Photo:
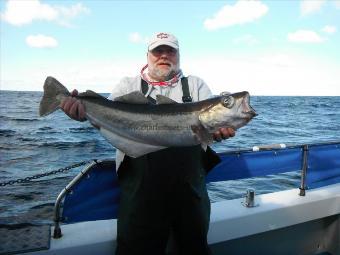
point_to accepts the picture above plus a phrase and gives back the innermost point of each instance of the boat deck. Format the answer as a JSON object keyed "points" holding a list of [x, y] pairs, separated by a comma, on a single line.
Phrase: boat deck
{"points": [[21, 238]]}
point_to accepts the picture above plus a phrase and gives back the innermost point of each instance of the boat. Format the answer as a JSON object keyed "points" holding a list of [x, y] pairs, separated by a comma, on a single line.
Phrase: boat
{"points": [[301, 221]]}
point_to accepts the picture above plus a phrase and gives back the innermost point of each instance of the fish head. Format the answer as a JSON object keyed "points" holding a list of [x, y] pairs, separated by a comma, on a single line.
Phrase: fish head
{"points": [[227, 110]]}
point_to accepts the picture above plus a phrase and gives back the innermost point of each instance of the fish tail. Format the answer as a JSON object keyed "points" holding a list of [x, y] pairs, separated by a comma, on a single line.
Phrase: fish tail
{"points": [[51, 100]]}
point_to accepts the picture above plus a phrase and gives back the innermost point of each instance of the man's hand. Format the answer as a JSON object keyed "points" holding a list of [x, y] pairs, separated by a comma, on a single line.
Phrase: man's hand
{"points": [[223, 133], [73, 107]]}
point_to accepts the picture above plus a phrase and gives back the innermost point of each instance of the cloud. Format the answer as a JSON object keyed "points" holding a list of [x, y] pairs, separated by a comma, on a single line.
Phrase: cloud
{"points": [[96, 74], [281, 60], [240, 13], [137, 38], [19, 13], [329, 29], [337, 4], [41, 41], [272, 74], [68, 13], [246, 39], [305, 36], [72, 11], [311, 6]]}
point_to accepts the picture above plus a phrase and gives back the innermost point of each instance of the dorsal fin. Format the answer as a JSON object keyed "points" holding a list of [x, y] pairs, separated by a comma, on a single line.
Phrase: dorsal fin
{"points": [[90, 93], [135, 97], [164, 100]]}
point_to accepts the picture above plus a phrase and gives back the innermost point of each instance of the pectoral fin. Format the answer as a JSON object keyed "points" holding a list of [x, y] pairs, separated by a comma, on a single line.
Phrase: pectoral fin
{"points": [[202, 135]]}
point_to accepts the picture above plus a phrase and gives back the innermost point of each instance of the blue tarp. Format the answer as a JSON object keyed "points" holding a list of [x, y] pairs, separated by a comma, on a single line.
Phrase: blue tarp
{"points": [[323, 165], [97, 197], [250, 164]]}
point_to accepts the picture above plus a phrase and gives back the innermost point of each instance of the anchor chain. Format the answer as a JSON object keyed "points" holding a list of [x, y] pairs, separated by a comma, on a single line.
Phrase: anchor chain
{"points": [[37, 176]]}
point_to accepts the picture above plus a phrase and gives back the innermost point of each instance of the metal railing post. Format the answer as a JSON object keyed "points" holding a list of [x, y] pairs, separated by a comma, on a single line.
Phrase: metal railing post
{"points": [[57, 230], [304, 170]]}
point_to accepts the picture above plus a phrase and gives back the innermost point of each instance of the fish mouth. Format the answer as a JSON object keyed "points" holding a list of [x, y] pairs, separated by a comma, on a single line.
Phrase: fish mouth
{"points": [[248, 110]]}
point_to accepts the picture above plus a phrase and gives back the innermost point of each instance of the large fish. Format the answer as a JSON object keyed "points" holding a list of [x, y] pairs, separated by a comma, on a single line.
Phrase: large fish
{"points": [[136, 127]]}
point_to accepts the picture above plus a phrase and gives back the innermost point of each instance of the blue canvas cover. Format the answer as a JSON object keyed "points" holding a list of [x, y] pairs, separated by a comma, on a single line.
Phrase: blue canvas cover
{"points": [[94, 197], [323, 165], [249, 164]]}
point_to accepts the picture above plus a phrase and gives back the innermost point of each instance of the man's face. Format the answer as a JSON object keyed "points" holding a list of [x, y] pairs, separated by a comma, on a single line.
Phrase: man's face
{"points": [[163, 63]]}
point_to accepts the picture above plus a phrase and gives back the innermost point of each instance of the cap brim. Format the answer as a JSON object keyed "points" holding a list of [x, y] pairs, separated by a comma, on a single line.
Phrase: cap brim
{"points": [[156, 44]]}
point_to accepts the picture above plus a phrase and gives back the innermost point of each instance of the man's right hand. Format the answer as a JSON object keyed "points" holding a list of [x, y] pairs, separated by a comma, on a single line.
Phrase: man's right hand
{"points": [[73, 107]]}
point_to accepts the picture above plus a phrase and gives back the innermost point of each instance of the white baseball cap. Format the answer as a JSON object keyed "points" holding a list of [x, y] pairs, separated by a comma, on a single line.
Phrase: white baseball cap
{"points": [[163, 39]]}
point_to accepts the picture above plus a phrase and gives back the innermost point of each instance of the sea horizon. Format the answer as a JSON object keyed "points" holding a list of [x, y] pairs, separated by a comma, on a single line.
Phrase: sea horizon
{"points": [[41, 91]]}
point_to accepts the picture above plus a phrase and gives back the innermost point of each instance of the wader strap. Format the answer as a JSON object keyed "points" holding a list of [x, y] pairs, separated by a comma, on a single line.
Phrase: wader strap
{"points": [[145, 87], [186, 98]]}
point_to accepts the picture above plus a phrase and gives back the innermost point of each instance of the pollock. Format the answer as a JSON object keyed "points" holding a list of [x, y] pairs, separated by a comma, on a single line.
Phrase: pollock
{"points": [[136, 127]]}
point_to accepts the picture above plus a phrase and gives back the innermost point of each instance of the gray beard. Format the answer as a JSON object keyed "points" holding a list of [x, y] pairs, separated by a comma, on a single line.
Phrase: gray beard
{"points": [[163, 75]]}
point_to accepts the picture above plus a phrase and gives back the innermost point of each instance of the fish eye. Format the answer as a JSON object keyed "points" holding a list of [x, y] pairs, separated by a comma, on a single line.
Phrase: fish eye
{"points": [[228, 101], [225, 93]]}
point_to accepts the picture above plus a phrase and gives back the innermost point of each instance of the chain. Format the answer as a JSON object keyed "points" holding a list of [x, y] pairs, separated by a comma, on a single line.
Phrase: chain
{"points": [[34, 177]]}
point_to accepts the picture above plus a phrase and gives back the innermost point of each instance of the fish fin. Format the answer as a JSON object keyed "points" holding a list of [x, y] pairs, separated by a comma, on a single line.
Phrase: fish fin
{"points": [[202, 135], [49, 102], [129, 147], [135, 97], [164, 100], [90, 93]]}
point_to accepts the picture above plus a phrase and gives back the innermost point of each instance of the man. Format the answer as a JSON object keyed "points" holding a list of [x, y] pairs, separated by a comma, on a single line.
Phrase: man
{"points": [[163, 191]]}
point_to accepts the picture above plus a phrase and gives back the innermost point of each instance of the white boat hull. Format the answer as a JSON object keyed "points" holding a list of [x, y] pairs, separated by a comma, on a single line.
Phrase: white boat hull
{"points": [[282, 223]]}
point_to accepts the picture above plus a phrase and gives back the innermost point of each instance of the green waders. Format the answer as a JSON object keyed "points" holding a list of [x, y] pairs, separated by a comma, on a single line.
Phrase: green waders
{"points": [[161, 192]]}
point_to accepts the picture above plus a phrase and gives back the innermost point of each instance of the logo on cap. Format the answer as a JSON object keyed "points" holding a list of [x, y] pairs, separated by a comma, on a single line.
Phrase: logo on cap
{"points": [[162, 35]]}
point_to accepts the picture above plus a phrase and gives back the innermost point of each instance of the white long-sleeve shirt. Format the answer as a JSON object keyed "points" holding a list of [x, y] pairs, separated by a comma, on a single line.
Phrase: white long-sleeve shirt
{"points": [[198, 90]]}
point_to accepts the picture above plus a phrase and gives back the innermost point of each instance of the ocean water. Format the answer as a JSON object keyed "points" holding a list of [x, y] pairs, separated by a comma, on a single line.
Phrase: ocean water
{"points": [[32, 145]]}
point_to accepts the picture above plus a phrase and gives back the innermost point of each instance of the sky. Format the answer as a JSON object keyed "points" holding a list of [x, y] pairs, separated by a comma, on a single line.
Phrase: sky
{"points": [[278, 47]]}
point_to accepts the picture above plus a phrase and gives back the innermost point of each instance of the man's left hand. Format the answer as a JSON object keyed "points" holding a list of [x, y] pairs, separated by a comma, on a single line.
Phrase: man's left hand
{"points": [[223, 133]]}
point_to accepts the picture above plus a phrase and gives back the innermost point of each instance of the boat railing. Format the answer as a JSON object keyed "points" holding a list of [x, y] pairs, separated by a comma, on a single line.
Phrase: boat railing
{"points": [[85, 177], [68, 189], [94, 193]]}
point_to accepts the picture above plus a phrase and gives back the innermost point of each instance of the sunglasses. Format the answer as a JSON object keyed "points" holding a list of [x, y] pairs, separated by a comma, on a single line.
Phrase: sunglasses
{"points": [[160, 51]]}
